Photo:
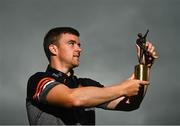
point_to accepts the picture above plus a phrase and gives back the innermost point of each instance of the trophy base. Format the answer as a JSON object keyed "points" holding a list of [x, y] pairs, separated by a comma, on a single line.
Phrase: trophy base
{"points": [[141, 72]]}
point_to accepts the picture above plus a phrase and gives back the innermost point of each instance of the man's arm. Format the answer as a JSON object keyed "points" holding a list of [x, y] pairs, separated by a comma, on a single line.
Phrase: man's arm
{"points": [[61, 95], [128, 103]]}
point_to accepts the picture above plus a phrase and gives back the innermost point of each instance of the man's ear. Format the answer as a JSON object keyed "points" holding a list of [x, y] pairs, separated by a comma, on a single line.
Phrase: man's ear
{"points": [[53, 49]]}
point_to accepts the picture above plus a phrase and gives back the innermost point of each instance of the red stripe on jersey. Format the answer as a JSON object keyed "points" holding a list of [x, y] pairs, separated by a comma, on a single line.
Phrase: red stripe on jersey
{"points": [[41, 83]]}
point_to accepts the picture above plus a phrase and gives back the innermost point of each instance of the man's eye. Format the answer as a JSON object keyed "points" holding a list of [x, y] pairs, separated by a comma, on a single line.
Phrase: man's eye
{"points": [[71, 42], [79, 45]]}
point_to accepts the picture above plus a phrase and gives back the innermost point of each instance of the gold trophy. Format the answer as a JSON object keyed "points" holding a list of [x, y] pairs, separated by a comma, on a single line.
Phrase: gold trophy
{"points": [[142, 70], [145, 59]]}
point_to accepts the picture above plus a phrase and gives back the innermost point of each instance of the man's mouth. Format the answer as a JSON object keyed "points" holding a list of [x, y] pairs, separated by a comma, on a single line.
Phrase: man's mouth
{"points": [[78, 55]]}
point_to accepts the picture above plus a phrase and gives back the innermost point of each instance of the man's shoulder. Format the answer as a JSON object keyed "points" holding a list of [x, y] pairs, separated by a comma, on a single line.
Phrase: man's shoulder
{"points": [[89, 82], [38, 75], [36, 81]]}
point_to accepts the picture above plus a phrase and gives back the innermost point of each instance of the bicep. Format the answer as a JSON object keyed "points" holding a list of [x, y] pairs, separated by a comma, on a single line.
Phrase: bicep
{"points": [[60, 95], [48, 91]]}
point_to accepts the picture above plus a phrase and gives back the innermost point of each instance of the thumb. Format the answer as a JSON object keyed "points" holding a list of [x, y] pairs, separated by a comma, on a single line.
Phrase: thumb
{"points": [[138, 50], [131, 77]]}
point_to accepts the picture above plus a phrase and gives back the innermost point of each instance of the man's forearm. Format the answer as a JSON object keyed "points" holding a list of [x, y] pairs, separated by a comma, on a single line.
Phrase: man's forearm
{"points": [[133, 102], [136, 100], [130, 103], [93, 96]]}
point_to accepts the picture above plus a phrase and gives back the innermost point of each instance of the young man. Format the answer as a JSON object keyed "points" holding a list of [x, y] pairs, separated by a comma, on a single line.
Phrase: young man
{"points": [[57, 96]]}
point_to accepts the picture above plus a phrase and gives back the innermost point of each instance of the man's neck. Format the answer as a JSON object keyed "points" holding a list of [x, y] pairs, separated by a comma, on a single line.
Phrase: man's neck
{"points": [[61, 68]]}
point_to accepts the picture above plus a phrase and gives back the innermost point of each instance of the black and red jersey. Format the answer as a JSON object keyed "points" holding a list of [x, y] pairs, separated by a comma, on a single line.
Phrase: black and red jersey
{"points": [[40, 112]]}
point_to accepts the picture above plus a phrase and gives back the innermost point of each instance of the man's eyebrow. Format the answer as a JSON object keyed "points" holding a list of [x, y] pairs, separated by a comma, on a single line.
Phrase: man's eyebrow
{"points": [[72, 41], [75, 42]]}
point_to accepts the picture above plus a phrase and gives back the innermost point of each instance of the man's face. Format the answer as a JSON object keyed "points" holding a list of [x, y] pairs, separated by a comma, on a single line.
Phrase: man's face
{"points": [[69, 50]]}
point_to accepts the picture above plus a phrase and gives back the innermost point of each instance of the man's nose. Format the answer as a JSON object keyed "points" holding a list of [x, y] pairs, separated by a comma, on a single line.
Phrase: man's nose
{"points": [[78, 48]]}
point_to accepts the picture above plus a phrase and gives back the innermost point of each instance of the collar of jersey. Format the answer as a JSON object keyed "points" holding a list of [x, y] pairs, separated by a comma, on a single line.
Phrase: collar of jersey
{"points": [[58, 73]]}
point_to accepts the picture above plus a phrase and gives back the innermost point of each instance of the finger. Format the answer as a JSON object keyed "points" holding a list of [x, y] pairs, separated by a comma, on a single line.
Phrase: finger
{"points": [[152, 49], [147, 83], [154, 55], [149, 46], [143, 82], [137, 49], [148, 43], [137, 46]]}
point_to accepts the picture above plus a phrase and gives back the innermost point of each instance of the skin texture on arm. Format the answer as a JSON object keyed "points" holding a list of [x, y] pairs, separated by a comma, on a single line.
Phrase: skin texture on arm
{"points": [[90, 96]]}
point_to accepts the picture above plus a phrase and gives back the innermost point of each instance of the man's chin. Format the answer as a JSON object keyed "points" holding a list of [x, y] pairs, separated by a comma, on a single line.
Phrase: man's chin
{"points": [[75, 65]]}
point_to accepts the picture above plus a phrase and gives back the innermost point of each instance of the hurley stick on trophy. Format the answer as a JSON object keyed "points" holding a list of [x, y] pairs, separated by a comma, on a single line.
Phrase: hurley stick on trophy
{"points": [[145, 59]]}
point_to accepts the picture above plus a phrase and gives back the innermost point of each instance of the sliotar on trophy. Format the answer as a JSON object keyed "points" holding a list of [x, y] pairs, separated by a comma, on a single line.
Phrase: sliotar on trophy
{"points": [[145, 59]]}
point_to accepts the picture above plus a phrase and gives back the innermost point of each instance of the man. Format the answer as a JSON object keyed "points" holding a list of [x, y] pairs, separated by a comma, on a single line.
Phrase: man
{"points": [[57, 96]]}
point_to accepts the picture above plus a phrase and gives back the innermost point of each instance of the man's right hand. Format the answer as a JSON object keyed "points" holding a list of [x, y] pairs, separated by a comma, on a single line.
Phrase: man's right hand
{"points": [[131, 86]]}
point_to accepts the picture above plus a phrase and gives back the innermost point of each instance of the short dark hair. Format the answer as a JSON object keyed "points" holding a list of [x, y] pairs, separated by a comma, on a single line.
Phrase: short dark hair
{"points": [[53, 36]]}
